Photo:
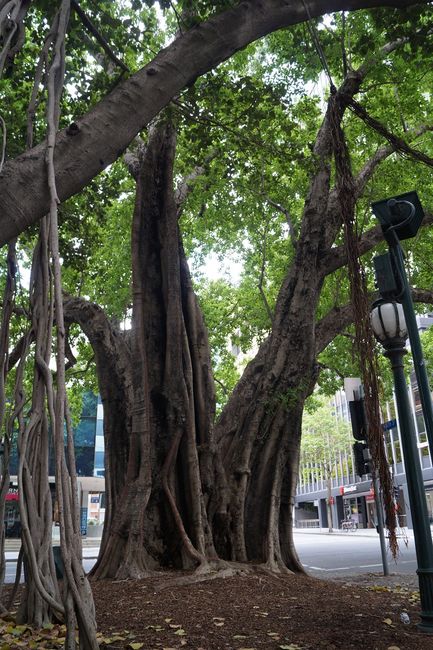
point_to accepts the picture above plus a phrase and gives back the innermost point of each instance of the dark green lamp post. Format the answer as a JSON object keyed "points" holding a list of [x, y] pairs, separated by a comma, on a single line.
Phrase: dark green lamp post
{"points": [[389, 327], [400, 218]]}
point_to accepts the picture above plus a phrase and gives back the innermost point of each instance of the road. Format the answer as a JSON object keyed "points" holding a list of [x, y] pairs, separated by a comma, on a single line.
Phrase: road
{"points": [[330, 556], [89, 555], [324, 556]]}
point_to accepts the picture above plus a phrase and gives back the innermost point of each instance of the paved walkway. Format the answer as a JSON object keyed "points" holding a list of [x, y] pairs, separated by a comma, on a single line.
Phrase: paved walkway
{"points": [[15, 544], [361, 532]]}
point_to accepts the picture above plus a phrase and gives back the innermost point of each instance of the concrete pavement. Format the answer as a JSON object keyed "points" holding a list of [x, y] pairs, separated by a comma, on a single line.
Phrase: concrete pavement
{"points": [[15, 544], [361, 532]]}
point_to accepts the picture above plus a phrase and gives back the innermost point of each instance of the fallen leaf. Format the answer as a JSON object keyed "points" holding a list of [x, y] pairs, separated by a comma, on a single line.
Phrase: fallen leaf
{"points": [[388, 621], [180, 632], [135, 646]]}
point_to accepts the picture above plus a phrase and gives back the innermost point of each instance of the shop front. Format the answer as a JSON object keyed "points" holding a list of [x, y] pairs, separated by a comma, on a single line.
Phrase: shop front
{"points": [[358, 504], [12, 514]]}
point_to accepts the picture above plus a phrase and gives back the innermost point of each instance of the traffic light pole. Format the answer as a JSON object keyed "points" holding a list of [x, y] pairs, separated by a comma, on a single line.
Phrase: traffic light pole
{"points": [[363, 466], [380, 523]]}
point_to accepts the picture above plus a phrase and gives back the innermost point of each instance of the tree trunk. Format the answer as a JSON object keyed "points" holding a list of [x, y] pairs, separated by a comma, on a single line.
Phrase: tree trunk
{"points": [[114, 371], [160, 518], [175, 503], [259, 430]]}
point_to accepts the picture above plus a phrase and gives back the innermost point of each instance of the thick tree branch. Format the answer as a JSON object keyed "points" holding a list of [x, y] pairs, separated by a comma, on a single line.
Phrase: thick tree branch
{"points": [[381, 154], [331, 325], [100, 136], [338, 318], [335, 258]]}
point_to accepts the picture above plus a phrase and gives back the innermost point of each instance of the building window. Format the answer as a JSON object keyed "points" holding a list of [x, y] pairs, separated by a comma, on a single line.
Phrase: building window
{"points": [[397, 447], [420, 424]]}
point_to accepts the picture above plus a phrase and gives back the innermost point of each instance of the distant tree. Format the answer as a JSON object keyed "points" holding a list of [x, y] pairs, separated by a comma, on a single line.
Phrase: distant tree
{"points": [[325, 436]]}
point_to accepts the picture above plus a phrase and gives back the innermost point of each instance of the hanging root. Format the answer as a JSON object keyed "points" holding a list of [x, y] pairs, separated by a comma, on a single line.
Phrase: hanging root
{"points": [[364, 338]]}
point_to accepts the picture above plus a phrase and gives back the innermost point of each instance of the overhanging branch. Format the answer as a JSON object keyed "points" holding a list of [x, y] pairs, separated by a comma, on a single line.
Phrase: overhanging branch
{"points": [[100, 136]]}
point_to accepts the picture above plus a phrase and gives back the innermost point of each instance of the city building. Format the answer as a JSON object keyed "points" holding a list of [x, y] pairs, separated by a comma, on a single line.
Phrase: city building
{"points": [[352, 495], [89, 458]]}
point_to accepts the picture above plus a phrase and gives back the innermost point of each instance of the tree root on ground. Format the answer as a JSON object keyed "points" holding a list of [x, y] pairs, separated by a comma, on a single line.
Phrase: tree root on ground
{"points": [[222, 569]]}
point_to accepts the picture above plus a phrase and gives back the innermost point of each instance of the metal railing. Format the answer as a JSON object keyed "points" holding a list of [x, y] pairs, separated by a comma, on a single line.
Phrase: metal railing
{"points": [[307, 523]]}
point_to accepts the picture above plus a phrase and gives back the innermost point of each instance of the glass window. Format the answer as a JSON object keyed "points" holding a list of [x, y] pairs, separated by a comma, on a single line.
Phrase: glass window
{"points": [[420, 424], [388, 447], [424, 451], [85, 432], [423, 439], [397, 448], [99, 460], [90, 405], [84, 461], [429, 498]]}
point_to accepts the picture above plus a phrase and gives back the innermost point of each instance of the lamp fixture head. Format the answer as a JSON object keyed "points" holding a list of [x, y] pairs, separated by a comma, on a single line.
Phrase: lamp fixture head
{"points": [[388, 322], [402, 214]]}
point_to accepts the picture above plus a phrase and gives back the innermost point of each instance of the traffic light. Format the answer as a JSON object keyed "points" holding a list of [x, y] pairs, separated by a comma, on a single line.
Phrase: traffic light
{"points": [[357, 418], [361, 455]]}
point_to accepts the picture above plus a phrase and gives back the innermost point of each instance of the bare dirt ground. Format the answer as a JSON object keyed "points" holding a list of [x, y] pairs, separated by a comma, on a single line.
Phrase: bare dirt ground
{"points": [[261, 611], [256, 611]]}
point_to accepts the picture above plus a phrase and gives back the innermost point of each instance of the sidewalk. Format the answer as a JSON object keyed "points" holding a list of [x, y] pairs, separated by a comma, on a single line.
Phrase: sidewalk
{"points": [[361, 532], [14, 545]]}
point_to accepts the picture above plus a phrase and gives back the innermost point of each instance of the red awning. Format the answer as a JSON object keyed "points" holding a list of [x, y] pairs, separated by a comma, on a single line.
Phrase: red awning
{"points": [[12, 496]]}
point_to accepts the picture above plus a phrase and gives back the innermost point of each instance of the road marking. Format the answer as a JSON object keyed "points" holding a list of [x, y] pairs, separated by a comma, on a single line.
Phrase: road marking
{"points": [[368, 566], [340, 568]]}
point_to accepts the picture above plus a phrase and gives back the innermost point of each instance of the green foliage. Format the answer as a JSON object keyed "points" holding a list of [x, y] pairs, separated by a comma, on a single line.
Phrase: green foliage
{"points": [[251, 123], [427, 346], [324, 435]]}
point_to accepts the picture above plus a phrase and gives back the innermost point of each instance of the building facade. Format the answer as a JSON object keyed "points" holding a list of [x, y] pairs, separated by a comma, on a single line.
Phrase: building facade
{"points": [[352, 495], [89, 460]]}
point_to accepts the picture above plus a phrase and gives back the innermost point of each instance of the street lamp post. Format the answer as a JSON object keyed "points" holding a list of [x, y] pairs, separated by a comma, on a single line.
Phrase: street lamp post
{"points": [[400, 218], [389, 327]]}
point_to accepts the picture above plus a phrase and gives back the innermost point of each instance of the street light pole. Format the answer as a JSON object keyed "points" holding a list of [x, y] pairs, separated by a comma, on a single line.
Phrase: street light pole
{"points": [[415, 344], [393, 337], [400, 218]]}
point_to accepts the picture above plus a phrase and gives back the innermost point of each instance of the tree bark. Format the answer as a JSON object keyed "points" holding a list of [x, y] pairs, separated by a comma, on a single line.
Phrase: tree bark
{"points": [[100, 136], [259, 430], [160, 517], [114, 364]]}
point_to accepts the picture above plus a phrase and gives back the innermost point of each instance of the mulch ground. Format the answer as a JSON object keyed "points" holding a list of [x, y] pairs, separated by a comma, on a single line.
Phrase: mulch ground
{"points": [[260, 611]]}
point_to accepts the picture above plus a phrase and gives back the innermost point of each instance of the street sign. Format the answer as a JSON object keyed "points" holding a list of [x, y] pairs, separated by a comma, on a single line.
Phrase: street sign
{"points": [[391, 424]]}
